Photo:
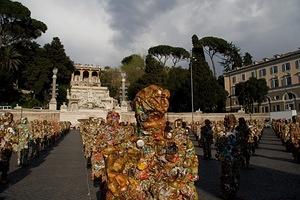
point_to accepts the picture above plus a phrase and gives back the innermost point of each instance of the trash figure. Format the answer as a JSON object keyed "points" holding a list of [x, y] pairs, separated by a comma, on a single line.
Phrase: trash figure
{"points": [[229, 155], [244, 137], [207, 139], [23, 146], [295, 139], [8, 143]]}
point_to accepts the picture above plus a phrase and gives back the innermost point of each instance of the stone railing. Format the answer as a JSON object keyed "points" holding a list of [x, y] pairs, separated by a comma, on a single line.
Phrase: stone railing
{"points": [[73, 116]]}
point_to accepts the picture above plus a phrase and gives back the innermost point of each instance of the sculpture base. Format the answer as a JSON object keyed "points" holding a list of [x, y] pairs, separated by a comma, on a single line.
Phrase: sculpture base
{"points": [[52, 105]]}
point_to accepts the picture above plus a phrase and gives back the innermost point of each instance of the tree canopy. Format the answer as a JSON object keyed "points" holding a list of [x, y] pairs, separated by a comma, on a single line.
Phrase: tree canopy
{"points": [[30, 65], [133, 66], [16, 25], [214, 46], [164, 52], [251, 91]]}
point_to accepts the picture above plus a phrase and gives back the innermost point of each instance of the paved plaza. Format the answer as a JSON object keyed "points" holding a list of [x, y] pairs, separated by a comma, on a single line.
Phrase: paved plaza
{"points": [[61, 174]]}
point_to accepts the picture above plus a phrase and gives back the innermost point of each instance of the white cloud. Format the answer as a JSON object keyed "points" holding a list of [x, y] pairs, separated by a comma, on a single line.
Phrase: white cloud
{"points": [[103, 32]]}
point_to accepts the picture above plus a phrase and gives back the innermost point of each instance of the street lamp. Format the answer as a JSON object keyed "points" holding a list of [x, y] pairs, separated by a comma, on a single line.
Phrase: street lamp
{"points": [[192, 88]]}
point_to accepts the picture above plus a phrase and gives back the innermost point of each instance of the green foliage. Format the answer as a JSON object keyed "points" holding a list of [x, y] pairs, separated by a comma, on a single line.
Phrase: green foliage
{"points": [[154, 74], [212, 46], [17, 25], [178, 83], [251, 91], [55, 52], [8, 93], [208, 94], [134, 67], [232, 58], [247, 59], [9, 58], [163, 52], [111, 78]]}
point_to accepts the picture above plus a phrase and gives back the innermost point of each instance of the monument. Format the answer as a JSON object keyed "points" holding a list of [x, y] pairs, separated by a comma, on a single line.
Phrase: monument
{"points": [[86, 92], [124, 103], [53, 102]]}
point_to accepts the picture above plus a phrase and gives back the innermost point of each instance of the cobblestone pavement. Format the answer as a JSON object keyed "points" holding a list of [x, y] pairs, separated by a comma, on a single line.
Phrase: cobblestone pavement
{"points": [[61, 174]]}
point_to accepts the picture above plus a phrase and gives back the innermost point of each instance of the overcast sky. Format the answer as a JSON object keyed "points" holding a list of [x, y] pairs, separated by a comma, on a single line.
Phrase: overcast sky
{"points": [[105, 31]]}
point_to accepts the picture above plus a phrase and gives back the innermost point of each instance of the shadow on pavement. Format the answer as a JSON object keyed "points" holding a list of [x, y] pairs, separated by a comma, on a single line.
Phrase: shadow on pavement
{"points": [[268, 184], [21, 172], [276, 158]]}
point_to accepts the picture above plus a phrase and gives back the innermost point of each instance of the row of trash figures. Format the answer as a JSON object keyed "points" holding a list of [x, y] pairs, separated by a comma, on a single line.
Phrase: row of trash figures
{"points": [[154, 158], [101, 139], [26, 139], [289, 133]]}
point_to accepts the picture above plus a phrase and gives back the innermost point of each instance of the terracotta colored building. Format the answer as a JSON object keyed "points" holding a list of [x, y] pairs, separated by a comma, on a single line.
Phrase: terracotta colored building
{"points": [[282, 74]]}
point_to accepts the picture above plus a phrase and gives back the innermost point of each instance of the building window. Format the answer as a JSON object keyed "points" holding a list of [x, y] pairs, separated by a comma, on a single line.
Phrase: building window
{"points": [[266, 109], [274, 83], [262, 72], [286, 67], [233, 80], [276, 98], [286, 81], [277, 107], [273, 69], [233, 90], [253, 74], [297, 63], [243, 77]]}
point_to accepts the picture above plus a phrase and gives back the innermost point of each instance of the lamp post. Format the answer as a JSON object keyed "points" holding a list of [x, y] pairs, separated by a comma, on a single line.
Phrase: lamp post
{"points": [[53, 103], [192, 89]]}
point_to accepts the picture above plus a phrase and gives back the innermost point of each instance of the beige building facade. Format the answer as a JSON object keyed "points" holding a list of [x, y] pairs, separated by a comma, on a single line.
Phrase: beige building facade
{"points": [[282, 74]]}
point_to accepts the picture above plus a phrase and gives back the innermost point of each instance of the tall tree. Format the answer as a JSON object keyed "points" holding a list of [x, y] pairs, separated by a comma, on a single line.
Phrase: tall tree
{"points": [[111, 78], [9, 58], [178, 83], [207, 91], [133, 66], [212, 46], [178, 54], [16, 29], [161, 52], [232, 58], [154, 74], [247, 59], [16, 25], [55, 52], [251, 91], [164, 52]]}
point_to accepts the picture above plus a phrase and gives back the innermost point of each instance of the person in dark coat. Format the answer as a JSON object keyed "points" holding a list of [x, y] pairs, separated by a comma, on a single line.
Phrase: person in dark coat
{"points": [[207, 139]]}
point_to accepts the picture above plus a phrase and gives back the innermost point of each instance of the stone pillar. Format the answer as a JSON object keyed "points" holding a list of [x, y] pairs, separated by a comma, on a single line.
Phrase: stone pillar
{"points": [[123, 75], [124, 105], [90, 76], [53, 103], [81, 75]]}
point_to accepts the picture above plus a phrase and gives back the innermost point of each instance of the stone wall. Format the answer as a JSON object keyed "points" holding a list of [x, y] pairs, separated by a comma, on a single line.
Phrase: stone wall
{"points": [[34, 114], [73, 116]]}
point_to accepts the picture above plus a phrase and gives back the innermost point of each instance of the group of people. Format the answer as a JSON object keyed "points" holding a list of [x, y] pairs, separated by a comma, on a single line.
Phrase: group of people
{"points": [[152, 159], [289, 133], [26, 139], [235, 143]]}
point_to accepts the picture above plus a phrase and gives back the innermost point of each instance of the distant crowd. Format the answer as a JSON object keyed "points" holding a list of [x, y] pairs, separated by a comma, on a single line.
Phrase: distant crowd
{"points": [[235, 140], [26, 139], [289, 133]]}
